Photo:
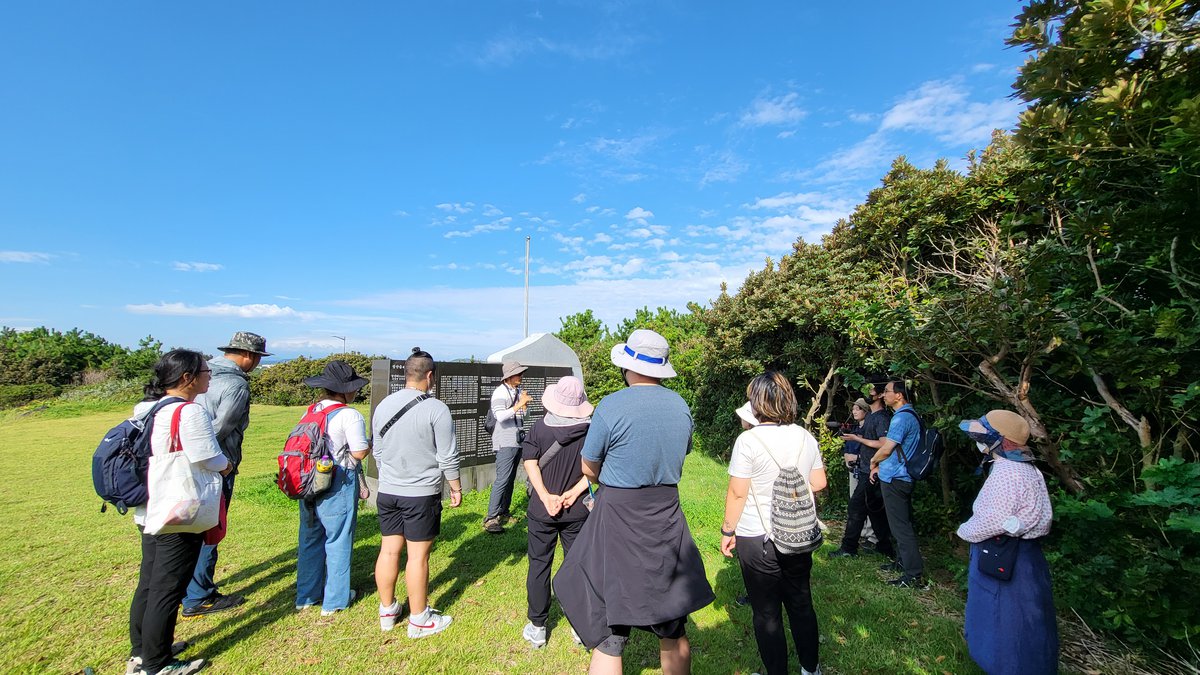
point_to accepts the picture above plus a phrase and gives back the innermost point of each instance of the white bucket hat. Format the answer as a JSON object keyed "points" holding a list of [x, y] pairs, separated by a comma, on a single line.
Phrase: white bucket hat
{"points": [[645, 353]]}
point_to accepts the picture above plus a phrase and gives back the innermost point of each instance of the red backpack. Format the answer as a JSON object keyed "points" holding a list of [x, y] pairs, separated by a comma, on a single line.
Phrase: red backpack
{"points": [[307, 443]]}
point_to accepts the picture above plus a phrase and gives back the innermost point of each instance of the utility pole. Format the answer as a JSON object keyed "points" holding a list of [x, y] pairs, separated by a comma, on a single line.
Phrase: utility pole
{"points": [[343, 339], [526, 286]]}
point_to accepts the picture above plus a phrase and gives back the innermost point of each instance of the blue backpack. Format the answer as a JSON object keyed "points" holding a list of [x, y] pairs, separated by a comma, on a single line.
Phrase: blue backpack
{"points": [[929, 451], [120, 462]]}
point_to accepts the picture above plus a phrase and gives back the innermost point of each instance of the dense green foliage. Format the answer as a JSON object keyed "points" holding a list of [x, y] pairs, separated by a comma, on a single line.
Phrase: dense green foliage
{"points": [[283, 383]]}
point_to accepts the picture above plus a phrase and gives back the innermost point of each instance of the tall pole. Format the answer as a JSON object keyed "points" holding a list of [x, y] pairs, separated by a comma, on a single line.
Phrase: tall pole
{"points": [[343, 343], [526, 286]]}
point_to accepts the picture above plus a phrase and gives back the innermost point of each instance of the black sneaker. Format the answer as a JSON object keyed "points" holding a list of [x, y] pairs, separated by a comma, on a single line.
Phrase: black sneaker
{"points": [[742, 600], [842, 553], [217, 603], [906, 581], [891, 566], [493, 526]]}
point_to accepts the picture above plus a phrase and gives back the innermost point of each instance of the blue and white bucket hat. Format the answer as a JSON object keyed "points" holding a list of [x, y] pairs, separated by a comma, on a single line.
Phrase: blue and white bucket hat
{"points": [[646, 353]]}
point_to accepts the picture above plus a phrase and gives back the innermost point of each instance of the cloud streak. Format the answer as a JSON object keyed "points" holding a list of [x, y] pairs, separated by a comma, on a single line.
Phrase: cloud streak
{"points": [[30, 257], [196, 266]]}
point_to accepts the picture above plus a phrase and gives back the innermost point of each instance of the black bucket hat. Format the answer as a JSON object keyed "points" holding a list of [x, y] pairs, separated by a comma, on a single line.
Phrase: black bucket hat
{"points": [[339, 376]]}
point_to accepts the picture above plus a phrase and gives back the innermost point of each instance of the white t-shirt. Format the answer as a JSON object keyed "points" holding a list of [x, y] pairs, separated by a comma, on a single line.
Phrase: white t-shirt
{"points": [[347, 433], [790, 445], [196, 438]]}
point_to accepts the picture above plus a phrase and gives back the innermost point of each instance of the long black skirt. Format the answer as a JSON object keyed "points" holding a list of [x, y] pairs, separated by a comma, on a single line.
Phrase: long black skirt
{"points": [[633, 564]]}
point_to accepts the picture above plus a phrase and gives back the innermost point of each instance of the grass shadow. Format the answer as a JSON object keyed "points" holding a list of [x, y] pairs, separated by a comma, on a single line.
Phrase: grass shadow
{"points": [[474, 557]]}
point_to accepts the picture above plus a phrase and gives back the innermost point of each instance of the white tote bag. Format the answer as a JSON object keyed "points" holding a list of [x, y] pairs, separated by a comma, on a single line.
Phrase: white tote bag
{"points": [[183, 497]]}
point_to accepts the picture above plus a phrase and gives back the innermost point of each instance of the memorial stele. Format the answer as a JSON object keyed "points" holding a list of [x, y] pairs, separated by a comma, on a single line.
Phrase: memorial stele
{"points": [[466, 388]]}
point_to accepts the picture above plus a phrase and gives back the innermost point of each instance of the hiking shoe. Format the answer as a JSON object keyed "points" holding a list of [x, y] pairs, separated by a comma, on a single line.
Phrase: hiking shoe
{"points": [[810, 672], [742, 600], [493, 526], [891, 566], [908, 581], [388, 615], [534, 635], [842, 553], [427, 623], [331, 612], [183, 667], [217, 603], [134, 665]]}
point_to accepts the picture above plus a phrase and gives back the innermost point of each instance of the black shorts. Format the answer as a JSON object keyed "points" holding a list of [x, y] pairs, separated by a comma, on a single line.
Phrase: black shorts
{"points": [[414, 518], [614, 645]]}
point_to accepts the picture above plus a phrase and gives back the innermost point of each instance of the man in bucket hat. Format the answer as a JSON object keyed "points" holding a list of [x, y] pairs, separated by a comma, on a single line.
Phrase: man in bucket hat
{"points": [[228, 403], [327, 523], [509, 403], [612, 580]]}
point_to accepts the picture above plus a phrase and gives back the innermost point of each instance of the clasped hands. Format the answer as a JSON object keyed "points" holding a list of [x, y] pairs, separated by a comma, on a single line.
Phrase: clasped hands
{"points": [[556, 503]]}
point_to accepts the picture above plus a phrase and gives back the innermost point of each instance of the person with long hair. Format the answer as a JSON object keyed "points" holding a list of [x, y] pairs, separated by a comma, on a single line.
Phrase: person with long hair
{"points": [[774, 580], [169, 559]]}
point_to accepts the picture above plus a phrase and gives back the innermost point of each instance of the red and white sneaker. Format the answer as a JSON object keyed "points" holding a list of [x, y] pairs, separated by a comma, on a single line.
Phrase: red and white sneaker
{"points": [[388, 616], [427, 623]]}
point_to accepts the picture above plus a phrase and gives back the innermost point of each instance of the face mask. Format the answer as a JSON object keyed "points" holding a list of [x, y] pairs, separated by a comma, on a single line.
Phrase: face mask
{"points": [[983, 448]]}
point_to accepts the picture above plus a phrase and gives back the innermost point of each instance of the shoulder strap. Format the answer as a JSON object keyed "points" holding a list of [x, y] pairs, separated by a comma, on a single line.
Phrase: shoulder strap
{"points": [[549, 454], [406, 408], [175, 444], [325, 412], [920, 433], [757, 502]]}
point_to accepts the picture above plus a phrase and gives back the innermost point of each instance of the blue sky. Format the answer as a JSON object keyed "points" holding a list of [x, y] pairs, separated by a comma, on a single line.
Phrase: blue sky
{"points": [[305, 170]]}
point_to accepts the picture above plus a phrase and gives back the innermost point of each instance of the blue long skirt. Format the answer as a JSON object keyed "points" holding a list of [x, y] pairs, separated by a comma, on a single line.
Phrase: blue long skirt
{"points": [[1010, 625]]}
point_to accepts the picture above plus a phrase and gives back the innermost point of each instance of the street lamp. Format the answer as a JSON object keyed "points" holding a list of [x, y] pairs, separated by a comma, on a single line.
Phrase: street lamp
{"points": [[343, 339]]}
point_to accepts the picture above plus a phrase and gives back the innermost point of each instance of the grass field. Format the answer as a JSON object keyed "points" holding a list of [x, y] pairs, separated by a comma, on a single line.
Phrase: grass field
{"points": [[68, 571]]}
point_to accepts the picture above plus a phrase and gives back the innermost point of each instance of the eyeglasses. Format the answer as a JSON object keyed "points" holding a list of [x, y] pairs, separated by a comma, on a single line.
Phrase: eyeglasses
{"points": [[205, 370]]}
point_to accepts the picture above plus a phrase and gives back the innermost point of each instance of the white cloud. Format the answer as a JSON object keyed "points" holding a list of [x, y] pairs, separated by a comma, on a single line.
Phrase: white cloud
{"points": [[786, 134], [507, 49], [570, 244], [942, 109], [601, 238], [490, 211], [400, 213], [455, 207], [253, 311], [494, 226], [25, 257], [579, 198], [773, 111], [724, 168], [639, 215], [862, 118], [196, 266]]}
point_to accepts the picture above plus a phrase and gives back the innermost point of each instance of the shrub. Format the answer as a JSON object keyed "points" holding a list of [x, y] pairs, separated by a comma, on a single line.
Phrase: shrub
{"points": [[283, 383], [15, 395]]}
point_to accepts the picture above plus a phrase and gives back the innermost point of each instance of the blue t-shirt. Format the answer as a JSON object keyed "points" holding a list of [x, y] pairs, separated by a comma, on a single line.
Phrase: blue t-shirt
{"points": [[640, 435], [905, 431]]}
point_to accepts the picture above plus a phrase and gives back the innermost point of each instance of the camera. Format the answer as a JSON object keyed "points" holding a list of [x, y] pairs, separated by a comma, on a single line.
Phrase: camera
{"points": [[839, 428]]}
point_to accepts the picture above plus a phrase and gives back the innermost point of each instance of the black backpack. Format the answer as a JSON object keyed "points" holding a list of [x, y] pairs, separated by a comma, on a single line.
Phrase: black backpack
{"points": [[928, 453], [120, 462]]}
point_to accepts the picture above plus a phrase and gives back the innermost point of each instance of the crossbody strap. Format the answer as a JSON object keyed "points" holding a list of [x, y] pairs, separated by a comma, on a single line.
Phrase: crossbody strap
{"points": [[920, 433], [397, 416], [549, 454]]}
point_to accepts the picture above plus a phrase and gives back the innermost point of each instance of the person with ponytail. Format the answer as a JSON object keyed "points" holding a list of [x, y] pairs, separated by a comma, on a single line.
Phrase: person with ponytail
{"points": [[168, 559]]}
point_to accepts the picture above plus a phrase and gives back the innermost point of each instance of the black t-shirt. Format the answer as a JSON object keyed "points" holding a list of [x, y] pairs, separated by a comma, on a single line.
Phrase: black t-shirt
{"points": [[874, 427], [562, 471]]}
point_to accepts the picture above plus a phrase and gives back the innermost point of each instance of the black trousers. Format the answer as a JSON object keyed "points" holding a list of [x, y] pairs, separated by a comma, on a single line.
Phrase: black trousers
{"points": [[867, 502], [775, 582], [167, 564], [897, 499], [543, 539]]}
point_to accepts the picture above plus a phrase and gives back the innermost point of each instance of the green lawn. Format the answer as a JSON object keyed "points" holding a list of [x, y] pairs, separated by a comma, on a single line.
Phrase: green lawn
{"points": [[68, 571]]}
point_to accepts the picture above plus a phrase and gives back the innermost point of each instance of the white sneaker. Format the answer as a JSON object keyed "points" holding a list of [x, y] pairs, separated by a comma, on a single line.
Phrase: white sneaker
{"points": [[575, 637], [810, 672], [183, 667], [331, 612], [134, 665], [388, 615], [427, 623], [535, 636]]}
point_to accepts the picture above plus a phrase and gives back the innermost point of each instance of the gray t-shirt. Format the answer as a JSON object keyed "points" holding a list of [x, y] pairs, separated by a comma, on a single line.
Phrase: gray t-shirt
{"points": [[641, 434], [418, 450]]}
